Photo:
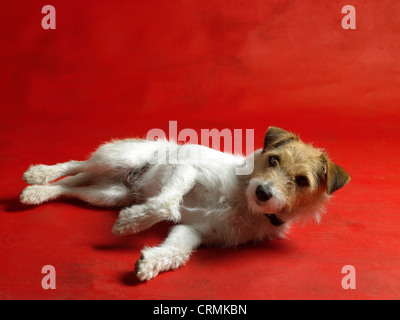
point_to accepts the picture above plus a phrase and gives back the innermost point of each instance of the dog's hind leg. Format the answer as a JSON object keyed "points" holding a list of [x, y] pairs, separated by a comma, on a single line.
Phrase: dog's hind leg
{"points": [[43, 174], [37, 194], [104, 192], [94, 189]]}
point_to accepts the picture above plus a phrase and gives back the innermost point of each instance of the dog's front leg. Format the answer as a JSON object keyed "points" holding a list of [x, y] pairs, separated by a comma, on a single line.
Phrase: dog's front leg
{"points": [[171, 254], [164, 206]]}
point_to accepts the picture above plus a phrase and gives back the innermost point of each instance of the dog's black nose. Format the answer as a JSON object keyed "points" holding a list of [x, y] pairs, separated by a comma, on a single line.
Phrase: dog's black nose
{"points": [[263, 193]]}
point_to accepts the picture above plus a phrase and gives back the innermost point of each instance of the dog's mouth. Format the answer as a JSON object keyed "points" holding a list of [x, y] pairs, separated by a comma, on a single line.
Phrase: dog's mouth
{"points": [[274, 219]]}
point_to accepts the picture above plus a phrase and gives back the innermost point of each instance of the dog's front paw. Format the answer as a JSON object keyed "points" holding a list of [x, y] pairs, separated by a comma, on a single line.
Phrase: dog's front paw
{"points": [[147, 267], [39, 174], [159, 259], [134, 219], [123, 226]]}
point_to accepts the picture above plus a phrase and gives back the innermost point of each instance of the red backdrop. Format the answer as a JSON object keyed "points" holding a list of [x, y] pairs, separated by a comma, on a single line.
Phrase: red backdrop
{"points": [[119, 69]]}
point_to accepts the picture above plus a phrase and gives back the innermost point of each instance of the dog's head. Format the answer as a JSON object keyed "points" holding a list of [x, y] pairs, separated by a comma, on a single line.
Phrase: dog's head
{"points": [[291, 180]]}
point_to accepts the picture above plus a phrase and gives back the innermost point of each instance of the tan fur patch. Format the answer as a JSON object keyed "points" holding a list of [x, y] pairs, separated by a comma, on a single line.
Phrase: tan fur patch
{"points": [[298, 173]]}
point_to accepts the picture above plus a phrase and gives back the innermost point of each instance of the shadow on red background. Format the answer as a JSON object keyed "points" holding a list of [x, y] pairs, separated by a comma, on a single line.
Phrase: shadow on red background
{"points": [[114, 70]]}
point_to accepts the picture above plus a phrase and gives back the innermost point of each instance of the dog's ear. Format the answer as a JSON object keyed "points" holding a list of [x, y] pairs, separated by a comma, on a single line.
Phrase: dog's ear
{"points": [[276, 137], [336, 177]]}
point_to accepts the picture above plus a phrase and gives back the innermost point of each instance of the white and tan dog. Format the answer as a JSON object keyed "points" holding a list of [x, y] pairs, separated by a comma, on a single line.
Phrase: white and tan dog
{"points": [[210, 203]]}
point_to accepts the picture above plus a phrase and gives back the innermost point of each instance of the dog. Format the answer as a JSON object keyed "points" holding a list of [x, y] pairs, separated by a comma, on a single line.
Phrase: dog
{"points": [[210, 204]]}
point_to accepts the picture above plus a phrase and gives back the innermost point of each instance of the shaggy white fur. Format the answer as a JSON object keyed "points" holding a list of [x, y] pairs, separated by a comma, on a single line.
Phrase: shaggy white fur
{"points": [[191, 185]]}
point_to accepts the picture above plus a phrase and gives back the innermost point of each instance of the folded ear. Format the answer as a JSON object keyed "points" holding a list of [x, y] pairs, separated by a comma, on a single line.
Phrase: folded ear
{"points": [[336, 177], [276, 137]]}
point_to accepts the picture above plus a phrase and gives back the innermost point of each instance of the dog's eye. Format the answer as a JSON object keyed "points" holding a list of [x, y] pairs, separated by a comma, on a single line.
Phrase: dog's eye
{"points": [[273, 161], [302, 181]]}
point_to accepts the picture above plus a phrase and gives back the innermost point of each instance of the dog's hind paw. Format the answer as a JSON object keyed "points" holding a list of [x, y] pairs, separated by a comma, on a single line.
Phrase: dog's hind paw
{"points": [[35, 194], [39, 174]]}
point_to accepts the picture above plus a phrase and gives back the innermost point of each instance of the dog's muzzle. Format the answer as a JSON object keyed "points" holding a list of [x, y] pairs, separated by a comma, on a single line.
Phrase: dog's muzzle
{"points": [[274, 219]]}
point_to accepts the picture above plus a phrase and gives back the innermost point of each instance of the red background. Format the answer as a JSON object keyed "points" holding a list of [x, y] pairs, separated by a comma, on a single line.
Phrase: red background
{"points": [[119, 69]]}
